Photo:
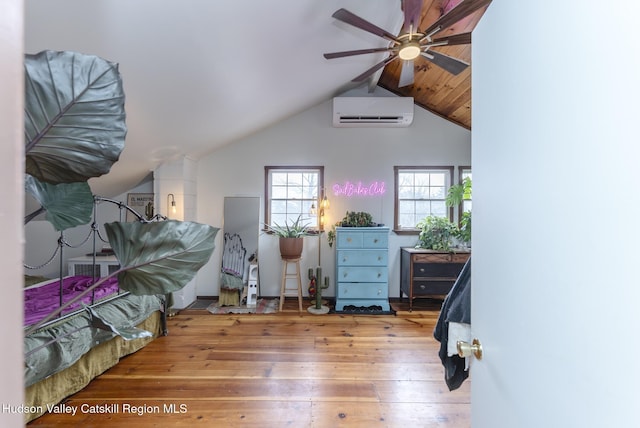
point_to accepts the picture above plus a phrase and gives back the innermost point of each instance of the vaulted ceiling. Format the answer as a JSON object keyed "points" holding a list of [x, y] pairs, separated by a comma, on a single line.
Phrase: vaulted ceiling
{"points": [[201, 74]]}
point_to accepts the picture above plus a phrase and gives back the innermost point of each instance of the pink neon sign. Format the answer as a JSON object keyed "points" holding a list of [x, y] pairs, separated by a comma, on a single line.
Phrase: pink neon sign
{"points": [[349, 189]]}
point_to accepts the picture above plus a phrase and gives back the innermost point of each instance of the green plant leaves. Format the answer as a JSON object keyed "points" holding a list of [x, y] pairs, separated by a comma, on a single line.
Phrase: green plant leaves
{"points": [[74, 116], [295, 229], [436, 233], [160, 257], [66, 204]]}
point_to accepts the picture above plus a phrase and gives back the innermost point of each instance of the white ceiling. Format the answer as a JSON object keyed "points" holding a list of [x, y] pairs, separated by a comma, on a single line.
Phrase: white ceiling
{"points": [[199, 74]]}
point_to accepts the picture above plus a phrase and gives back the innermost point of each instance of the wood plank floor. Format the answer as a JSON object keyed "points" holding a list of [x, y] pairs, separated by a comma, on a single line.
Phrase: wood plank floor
{"points": [[279, 370]]}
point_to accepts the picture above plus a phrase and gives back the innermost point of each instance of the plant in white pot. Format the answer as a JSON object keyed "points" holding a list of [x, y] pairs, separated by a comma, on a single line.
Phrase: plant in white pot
{"points": [[291, 236]]}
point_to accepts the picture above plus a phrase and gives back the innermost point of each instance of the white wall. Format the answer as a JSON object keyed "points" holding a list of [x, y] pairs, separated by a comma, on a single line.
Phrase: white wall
{"points": [[11, 211], [365, 154]]}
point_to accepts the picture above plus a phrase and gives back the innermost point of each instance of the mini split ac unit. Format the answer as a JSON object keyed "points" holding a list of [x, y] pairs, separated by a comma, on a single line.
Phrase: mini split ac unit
{"points": [[372, 111]]}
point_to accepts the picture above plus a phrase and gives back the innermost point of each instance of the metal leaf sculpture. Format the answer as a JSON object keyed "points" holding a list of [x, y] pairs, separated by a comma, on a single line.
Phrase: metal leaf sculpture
{"points": [[66, 204], [74, 116], [160, 257], [125, 332]]}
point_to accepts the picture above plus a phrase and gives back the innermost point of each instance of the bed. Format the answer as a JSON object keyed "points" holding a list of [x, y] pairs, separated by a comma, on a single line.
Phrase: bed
{"points": [[55, 370], [64, 354]]}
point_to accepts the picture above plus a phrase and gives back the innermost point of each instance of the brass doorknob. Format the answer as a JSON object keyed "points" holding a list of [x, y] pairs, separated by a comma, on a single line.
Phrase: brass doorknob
{"points": [[466, 350]]}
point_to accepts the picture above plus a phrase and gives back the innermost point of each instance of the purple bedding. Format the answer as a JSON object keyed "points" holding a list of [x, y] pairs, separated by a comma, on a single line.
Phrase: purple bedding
{"points": [[39, 301]]}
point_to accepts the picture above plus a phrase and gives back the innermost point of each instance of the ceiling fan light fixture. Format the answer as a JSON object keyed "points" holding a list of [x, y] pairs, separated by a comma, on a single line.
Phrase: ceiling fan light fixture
{"points": [[409, 50]]}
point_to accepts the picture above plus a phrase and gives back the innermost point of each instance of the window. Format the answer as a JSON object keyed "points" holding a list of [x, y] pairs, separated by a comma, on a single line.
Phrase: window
{"points": [[420, 192], [291, 192]]}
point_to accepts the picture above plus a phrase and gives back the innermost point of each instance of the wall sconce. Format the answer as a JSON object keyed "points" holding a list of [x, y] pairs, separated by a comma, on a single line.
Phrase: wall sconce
{"points": [[171, 198]]}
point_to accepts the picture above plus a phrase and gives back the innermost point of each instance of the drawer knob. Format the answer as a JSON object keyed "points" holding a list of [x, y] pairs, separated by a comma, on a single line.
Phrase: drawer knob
{"points": [[344, 275], [423, 286], [379, 274], [379, 258], [348, 239], [421, 269], [379, 292], [344, 259], [375, 241]]}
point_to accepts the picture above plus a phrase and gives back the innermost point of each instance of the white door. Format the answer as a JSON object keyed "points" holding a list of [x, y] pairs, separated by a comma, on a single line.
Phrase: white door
{"points": [[556, 168]]}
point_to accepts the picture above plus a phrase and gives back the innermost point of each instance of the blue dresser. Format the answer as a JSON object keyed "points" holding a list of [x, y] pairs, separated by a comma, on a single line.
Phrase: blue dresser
{"points": [[362, 275]]}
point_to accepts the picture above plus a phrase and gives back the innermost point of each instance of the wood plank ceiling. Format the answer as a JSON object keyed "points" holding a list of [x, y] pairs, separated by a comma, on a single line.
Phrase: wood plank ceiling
{"points": [[435, 89]]}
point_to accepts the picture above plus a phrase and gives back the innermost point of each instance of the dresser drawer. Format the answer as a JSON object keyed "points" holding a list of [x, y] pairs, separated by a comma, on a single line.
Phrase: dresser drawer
{"points": [[362, 239], [431, 258], [362, 274], [362, 290], [362, 257], [349, 240], [460, 257], [375, 240], [446, 270], [429, 288], [440, 258]]}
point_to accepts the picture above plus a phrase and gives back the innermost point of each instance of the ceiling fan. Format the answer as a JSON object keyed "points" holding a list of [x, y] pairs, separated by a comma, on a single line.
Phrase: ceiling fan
{"points": [[412, 43]]}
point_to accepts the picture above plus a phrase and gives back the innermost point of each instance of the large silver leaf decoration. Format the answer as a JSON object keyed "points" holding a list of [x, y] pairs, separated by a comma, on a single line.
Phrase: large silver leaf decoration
{"points": [[74, 116], [127, 333], [160, 257], [66, 204]]}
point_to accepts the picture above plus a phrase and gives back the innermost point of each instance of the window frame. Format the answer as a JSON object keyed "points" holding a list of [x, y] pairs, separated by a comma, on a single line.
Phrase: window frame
{"points": [[269, 169], [396, 208]]}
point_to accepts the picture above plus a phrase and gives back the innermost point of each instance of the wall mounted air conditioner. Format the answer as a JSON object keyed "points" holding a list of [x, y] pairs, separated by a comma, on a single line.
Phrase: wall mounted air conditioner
{"points": [[372, 111]]}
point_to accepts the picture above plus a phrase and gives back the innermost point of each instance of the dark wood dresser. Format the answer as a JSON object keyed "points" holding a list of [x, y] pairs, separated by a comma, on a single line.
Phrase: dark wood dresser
{"points": [[428, 273]]}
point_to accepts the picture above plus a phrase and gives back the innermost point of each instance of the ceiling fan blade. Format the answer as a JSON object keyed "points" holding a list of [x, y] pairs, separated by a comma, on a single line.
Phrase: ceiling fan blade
{"points": [[461, 11], [406, 74], [456, 39], [412, 10], [333, 55], [451, 64], [345, 16], [362, 77]]}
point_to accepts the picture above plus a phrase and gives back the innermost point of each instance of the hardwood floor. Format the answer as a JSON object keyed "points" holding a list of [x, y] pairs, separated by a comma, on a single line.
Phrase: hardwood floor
{"points": [[278, 370]]}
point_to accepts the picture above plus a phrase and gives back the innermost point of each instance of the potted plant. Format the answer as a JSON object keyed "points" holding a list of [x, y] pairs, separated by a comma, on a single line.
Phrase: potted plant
{"points": [[291, 236], [357, 219], [436, 233]]}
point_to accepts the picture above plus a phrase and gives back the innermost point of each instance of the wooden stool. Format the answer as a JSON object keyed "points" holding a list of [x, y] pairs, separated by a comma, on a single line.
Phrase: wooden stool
{"points": [[291, 276]]}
